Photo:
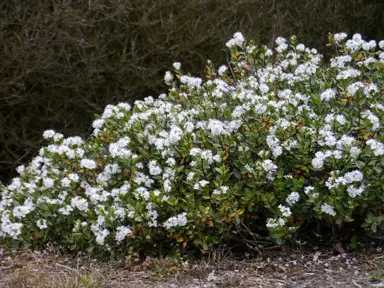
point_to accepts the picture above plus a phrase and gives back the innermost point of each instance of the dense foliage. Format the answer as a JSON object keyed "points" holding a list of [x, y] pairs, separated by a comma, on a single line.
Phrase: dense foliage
{"points": [[276, 139], [63, 61]]}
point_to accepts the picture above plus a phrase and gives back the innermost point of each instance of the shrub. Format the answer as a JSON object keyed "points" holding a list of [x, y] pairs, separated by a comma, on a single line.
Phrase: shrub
{"points": [[274, 140], [63, 61]]}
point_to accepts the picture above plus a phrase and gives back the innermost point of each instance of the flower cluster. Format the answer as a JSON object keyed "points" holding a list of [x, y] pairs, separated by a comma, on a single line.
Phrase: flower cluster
{"points": [[277, 134]]}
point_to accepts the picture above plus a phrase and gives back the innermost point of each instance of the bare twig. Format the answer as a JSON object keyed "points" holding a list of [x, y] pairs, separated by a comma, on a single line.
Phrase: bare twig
{"points": [[67, 268]]}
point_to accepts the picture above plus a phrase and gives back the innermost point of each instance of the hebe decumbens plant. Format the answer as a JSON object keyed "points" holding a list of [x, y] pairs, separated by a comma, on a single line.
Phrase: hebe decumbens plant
{"points": [[273, 140]]}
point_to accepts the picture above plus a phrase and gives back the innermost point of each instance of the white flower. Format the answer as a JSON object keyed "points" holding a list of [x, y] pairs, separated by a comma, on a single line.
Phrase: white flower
{"points": [[101, 235], [337, 154], [190, 176], [222, 70], [369, 45], [353, 176], [268, 166], [192, 82], [355, 152], [22, 210], [348, 73], [122, 232], [318, 162], [354, 192], [249, 168], [79, 203], [293, 198], [12, 229], [168, 77], [376, 146], [339, 37], [88, 163], [66, 210], [66, 182], [370, 89], [203, 183], [354, 87], [381, 56], [48, 182], [375, 121], [124, 106], [340, 61], [58, 137], [341, 119], [42, 224], [286, 211], [176, 221], [217, 158], [328, 95], [154, 169], [273, 144], [194, 151], [272, 223], [237, 40], [74, 177], [328, 209], [217, 127], [120, 148], [143, 192], [171, 161], [20, 169], [281, 48], [280, 41], [260, 108], [309, 189], [221, 190], [49, 134], [355, 43], [177, 65], [345, 142], [189, 126], [167, 186], [300, 47], [250, 49]]}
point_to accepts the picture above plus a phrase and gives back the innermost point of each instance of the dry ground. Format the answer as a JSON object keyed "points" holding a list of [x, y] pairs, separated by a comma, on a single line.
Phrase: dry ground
{"points": [[283, 268]]}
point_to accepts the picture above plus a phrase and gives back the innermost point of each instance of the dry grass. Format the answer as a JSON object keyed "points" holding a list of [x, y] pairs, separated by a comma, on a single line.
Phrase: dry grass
{"points": [[26, 278], [22, 270], [284, 268]]}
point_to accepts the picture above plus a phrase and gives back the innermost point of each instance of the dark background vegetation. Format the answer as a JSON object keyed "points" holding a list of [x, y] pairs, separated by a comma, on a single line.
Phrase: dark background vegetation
{"points": [[63, 61]]}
